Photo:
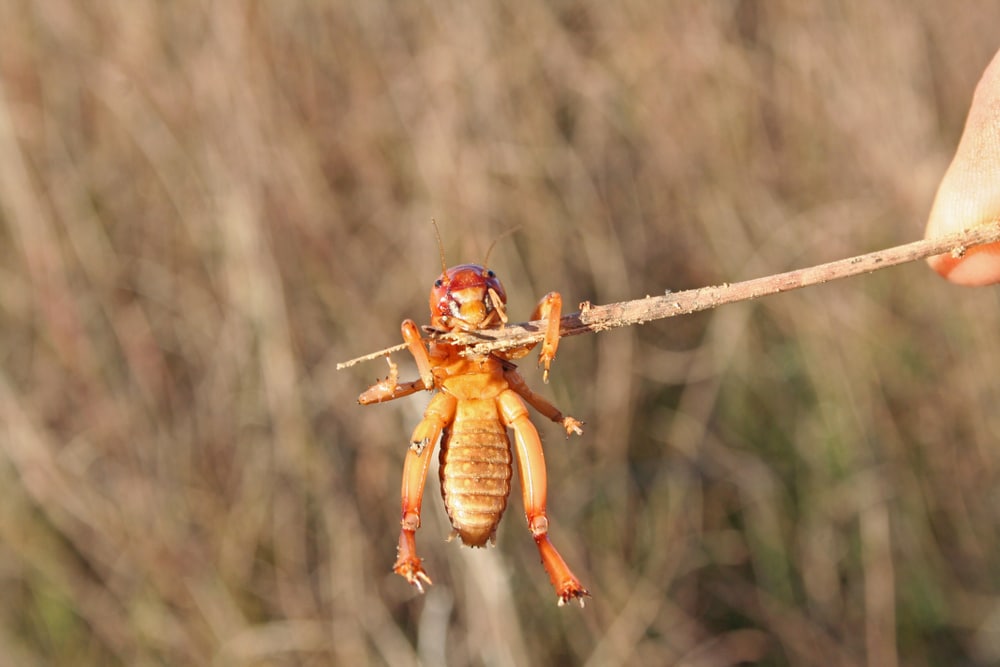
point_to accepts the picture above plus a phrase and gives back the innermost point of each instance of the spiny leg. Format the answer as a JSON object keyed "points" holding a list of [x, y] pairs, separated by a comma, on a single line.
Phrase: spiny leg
{"points": [[549, 309], [534, 488], [517, 383], [390, 388], [378, 392], [438, 415]]}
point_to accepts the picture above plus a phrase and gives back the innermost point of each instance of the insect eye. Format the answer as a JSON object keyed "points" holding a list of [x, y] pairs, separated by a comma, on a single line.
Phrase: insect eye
{"points": [[438, 282]]}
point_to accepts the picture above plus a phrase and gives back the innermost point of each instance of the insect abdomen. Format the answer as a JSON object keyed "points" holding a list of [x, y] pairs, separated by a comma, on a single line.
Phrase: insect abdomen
{"points": [[475, 471]]}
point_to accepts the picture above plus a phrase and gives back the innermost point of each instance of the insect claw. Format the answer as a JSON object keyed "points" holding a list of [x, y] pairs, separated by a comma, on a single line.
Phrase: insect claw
{"points": [[578, 595], [572, 590], [410, 568], [418, 580], [573, 426], [393, 379]]}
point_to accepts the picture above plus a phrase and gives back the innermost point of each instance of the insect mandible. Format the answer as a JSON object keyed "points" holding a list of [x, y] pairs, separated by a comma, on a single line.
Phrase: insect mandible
{"points": [[478, 398]]}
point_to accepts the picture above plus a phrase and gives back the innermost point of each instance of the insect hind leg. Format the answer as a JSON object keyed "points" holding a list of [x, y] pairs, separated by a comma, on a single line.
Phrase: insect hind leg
{"points": [[534, 489], [440, 412]]}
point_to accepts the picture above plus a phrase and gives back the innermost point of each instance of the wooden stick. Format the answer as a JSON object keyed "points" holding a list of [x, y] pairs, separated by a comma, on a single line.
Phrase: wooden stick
{"points": [[592, 319]]}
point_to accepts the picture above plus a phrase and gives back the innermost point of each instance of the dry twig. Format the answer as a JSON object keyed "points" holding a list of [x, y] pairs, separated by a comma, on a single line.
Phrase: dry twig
{"points": [[626, 313]]}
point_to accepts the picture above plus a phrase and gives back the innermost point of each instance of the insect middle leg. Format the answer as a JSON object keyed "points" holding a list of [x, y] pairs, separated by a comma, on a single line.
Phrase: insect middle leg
{"points": [[438, 415], [517, 383], [534, 488]]}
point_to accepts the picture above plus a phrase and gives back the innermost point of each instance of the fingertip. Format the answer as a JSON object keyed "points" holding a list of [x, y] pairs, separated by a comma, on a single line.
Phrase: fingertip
{"points": [[976, 267], [969, 193]]}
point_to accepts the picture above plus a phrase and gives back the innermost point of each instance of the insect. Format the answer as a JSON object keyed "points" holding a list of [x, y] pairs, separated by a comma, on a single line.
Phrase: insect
{"points": [[478, 398]]}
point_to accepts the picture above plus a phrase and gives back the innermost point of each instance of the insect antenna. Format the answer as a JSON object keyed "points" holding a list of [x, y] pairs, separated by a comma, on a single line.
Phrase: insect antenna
{"points": [[437, 235], [494, 242]]}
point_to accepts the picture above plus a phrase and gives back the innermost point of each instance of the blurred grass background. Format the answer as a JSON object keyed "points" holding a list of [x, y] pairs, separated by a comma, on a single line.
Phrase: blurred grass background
{"points": [[205, 205]]}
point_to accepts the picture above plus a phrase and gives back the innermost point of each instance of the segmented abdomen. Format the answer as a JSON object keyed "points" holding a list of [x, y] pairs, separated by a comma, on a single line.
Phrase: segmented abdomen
{"points": [[475, 470]]}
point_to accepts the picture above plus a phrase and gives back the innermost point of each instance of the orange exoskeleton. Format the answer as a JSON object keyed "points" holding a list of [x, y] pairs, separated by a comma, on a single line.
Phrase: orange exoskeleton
{"points": [[478, 398]]}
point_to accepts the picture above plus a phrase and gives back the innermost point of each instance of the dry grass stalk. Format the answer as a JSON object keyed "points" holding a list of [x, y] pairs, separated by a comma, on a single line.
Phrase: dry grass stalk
{"points": [[593, 319]]}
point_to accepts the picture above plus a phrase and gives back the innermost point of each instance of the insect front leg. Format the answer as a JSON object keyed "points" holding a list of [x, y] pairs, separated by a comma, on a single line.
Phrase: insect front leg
{"points": [[390, 388], [438, 415], [534, 489], [517, 383], [549, 309], [415, 344]]}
